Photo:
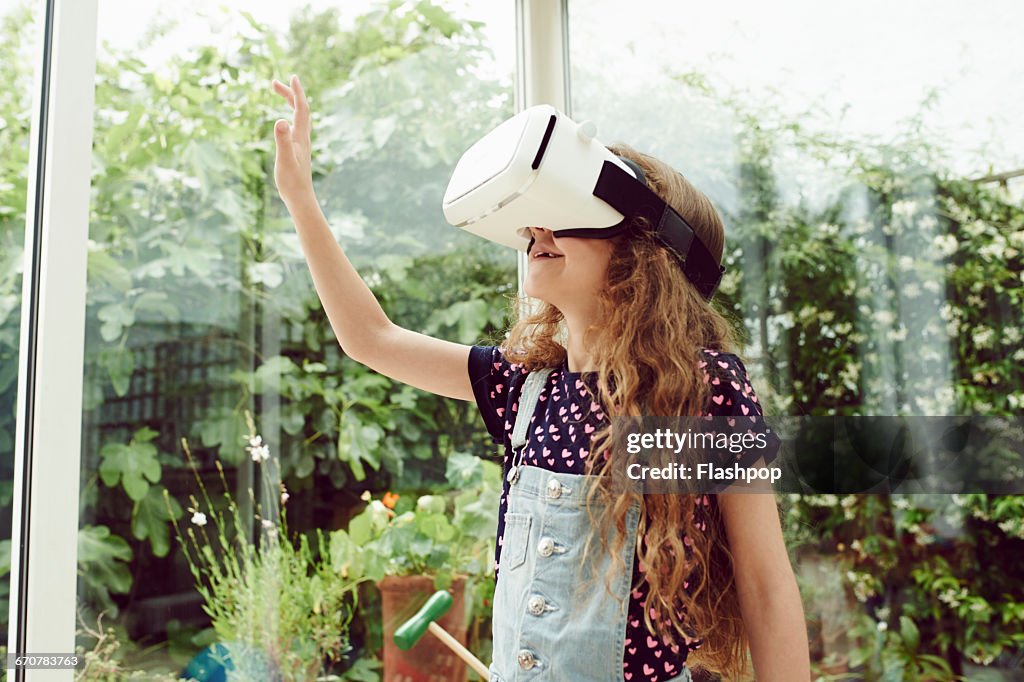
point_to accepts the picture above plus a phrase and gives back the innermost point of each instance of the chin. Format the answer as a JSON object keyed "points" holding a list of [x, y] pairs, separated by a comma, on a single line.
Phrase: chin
{"points": [[533, 293]]}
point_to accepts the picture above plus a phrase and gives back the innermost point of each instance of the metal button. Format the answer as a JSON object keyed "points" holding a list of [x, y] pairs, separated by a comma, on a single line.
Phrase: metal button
{"points": [[546, 546], [536, 605], [526, 659], [554, 489]]}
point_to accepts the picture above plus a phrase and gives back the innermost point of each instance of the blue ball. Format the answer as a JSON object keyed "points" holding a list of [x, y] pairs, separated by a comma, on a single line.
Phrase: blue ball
{"points": [[209, 665]]}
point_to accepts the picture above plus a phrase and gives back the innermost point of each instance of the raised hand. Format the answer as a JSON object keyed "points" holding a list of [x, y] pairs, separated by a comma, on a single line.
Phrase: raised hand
{"points": [[292, 165]]}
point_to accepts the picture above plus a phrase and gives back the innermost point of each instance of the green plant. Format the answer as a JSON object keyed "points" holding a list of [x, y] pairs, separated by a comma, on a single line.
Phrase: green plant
{"points": [[280, 608], [896, 654], [103, 660], [103, 567], [442, 535], [933, 577]]}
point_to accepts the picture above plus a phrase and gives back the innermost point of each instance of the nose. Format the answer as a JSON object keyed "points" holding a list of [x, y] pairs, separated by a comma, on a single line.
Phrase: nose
{"points": [[538, 231]]}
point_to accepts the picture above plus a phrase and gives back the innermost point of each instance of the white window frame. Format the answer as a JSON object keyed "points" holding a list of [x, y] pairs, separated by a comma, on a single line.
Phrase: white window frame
{"points": [[47, 447]]}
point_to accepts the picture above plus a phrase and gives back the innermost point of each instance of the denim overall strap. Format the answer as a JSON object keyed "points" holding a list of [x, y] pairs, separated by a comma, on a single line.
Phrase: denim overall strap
{"points": [[528, 402], [532, 388]]}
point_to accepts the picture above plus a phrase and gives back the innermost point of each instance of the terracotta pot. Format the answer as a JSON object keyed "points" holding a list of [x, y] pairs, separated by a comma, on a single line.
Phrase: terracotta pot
{"points": [[430, 660]]}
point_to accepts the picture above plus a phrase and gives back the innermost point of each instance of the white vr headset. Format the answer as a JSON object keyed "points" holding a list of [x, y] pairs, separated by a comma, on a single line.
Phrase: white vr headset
{"points": [[541, 169]]}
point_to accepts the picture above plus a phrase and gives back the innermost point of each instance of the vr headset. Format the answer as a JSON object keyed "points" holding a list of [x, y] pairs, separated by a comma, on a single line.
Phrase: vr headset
{"points": [[541, 169]]}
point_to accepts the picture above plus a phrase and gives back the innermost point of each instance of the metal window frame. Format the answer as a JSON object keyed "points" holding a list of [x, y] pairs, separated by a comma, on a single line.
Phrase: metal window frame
{"points": [[47, 449]]}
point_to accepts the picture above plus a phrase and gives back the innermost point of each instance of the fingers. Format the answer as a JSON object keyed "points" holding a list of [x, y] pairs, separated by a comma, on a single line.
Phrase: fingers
{"points": [[284, 139], [283, 90], [301, 110], [296, 97]]}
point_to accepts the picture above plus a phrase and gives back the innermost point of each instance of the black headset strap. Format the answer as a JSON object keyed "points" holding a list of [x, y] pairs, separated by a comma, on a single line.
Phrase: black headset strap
{"points": [[631, 197]]}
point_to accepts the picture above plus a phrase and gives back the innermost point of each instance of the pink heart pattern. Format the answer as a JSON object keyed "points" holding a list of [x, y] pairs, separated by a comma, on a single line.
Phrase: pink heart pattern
{"points": [[559, 440]]}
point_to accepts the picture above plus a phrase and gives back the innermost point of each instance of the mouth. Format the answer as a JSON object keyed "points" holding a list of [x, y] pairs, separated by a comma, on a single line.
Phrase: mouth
{"points": [[541, 254]]}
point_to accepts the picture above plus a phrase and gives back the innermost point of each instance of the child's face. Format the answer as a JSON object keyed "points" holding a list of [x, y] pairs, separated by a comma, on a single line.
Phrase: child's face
{"points": [[572, 278]]}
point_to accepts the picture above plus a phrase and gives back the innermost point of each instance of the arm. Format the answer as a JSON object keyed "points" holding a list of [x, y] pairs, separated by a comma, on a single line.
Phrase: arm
{"points": [[363, 329], [767, 589]]}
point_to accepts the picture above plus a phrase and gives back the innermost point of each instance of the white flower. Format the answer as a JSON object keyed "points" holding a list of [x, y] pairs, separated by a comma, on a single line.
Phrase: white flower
{"points": [[1009, 526], [806, 312], [904, 208], [882, 626], [884, 317], [982, 336], [267, 524], [993, 251], [975, 228], [166, 176], [366, 496], [945, 244], [284, 497], [905, 262], [259, 451], [897, 335], [199, 518]]}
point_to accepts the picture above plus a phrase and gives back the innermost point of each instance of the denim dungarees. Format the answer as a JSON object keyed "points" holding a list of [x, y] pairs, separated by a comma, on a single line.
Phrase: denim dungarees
{"points": [[542, 629]]}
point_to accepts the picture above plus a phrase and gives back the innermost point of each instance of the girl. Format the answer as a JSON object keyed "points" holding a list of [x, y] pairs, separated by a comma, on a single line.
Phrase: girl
{"points": [[621, 308]]}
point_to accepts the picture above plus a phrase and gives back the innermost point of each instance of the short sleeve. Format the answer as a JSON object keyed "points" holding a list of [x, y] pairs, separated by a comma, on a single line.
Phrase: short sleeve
{"points": [[490, 375], [732, 395]]}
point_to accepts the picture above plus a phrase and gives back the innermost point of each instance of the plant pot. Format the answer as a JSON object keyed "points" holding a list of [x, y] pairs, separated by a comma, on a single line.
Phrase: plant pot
{"points": [[430, 660]]}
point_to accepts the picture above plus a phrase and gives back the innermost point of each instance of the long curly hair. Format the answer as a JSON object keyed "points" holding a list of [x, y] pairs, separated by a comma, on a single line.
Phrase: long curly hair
{"points": [[647, 344]]}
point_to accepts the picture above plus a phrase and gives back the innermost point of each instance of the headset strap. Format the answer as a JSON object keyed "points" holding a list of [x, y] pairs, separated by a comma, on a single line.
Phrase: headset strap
{"points": [[631, 198]]}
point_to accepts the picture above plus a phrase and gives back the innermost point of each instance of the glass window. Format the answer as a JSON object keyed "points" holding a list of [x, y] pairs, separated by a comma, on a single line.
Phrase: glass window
{"points": [[218, 403], [19, 32], [868, 162]]}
